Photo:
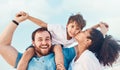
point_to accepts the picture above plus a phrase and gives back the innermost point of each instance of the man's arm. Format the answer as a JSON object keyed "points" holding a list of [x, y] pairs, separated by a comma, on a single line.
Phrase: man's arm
{"points": [[6, 50], [37, 21], [6, 36]]}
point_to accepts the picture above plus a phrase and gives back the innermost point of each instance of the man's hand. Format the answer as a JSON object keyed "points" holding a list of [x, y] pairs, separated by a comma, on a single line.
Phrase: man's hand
{"points": [[21, 16]]}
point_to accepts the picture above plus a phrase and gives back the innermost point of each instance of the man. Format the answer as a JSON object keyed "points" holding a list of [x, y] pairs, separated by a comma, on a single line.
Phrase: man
{"points": [[41, 39]]}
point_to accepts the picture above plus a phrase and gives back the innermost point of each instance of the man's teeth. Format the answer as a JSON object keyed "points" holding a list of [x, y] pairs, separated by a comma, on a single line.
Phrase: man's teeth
{"points": [[43, 47]]}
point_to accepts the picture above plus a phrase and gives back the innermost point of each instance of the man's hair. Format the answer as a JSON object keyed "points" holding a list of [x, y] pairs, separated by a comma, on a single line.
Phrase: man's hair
{"points": [[78, 18], [40, 30]]}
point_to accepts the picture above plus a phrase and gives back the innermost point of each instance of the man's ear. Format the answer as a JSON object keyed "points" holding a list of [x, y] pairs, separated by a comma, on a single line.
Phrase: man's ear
{"points": [[33, 43]]}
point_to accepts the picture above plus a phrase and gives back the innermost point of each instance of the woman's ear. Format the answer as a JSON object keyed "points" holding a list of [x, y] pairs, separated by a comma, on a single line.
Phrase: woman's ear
{"points": [[89, 41]]}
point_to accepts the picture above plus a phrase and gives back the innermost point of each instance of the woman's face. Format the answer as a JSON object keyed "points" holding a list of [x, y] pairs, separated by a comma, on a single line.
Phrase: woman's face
{"points": [[83, 35]]}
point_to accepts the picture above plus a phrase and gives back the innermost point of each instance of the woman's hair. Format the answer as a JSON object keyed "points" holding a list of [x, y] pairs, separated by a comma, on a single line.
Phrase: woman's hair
{"points": [[106, 49]]}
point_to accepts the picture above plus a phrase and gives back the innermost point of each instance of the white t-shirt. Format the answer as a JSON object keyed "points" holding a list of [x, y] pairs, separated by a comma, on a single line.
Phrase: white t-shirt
{"points": [[87, 61], [59, 35]]}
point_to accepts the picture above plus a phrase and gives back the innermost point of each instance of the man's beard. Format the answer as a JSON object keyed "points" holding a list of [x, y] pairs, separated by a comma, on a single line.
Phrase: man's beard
{"points": [[40, 52]]}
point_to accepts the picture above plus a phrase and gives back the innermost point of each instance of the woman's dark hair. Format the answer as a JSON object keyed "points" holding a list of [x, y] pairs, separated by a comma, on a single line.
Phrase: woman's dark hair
{"points": [[40, 30], [106, 49], [78, 18]]}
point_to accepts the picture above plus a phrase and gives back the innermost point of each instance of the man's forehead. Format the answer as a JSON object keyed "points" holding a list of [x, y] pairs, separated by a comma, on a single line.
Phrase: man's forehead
{"points": [[43, 34]]}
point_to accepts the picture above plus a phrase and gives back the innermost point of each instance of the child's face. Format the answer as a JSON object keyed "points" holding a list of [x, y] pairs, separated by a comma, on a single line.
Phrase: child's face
{"points": [[73, 29]]}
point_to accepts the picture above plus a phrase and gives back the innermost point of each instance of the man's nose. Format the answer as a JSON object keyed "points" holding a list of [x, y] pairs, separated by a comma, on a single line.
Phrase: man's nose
{"points": [[43, 42]]}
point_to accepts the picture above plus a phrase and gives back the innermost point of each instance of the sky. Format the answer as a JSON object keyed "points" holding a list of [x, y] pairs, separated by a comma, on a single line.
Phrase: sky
{"points": [[56, 12]]}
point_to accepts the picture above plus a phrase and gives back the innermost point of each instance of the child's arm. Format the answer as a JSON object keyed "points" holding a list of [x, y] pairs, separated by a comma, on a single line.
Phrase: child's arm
{"points": [[98, 25], [59, 58], [23, 63], [37, 21]]}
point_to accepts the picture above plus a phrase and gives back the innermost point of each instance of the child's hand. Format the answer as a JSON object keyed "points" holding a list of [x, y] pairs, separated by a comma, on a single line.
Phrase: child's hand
{"points": [[103, 23], [103, 27], [60, 67]]}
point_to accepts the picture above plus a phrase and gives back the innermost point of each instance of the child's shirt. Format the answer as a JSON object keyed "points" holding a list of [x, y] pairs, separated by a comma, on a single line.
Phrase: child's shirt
{"points": [[59, 35]]}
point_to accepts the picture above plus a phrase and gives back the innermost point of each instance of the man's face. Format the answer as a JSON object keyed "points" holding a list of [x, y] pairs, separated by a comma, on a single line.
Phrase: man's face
{"points": [[73, 29], [42, 43]]}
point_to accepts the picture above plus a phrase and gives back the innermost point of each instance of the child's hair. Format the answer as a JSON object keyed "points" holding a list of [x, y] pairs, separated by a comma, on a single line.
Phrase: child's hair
{"points": [[78, 18], [106, 49]]}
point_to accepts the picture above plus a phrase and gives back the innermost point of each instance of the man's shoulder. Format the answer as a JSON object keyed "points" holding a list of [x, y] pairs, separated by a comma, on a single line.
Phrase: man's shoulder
{"points": [[68, 48], [69, 51]]}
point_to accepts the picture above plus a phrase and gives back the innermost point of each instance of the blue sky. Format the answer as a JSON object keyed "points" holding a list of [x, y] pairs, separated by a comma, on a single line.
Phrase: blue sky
{"points": [[56, 12]]}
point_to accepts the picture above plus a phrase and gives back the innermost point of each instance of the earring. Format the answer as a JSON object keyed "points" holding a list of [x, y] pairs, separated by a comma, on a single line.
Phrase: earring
{"points": [[33, 44]]}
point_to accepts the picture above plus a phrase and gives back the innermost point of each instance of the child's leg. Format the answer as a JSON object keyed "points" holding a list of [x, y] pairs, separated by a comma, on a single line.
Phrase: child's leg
{"points": [[59, 57], [27, 55]]}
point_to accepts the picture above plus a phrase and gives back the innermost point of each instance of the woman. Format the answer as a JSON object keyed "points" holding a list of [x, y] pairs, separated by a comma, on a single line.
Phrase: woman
{"points": [[93, 50]]}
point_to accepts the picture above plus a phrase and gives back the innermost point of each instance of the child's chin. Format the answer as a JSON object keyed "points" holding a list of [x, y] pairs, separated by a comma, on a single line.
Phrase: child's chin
{"points": [[72, 35]]}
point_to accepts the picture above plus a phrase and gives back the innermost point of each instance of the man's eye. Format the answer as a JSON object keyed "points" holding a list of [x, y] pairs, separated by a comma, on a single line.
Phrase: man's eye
{"points": [[47, 39], [39, 39]]}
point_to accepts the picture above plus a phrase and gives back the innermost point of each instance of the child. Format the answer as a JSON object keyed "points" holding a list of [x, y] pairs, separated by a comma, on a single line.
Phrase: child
{"points": [[61, 35]]}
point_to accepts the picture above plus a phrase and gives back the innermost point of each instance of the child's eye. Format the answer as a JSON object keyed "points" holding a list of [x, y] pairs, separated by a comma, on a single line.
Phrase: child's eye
{"points": [[72, 26], [77, 29]]}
